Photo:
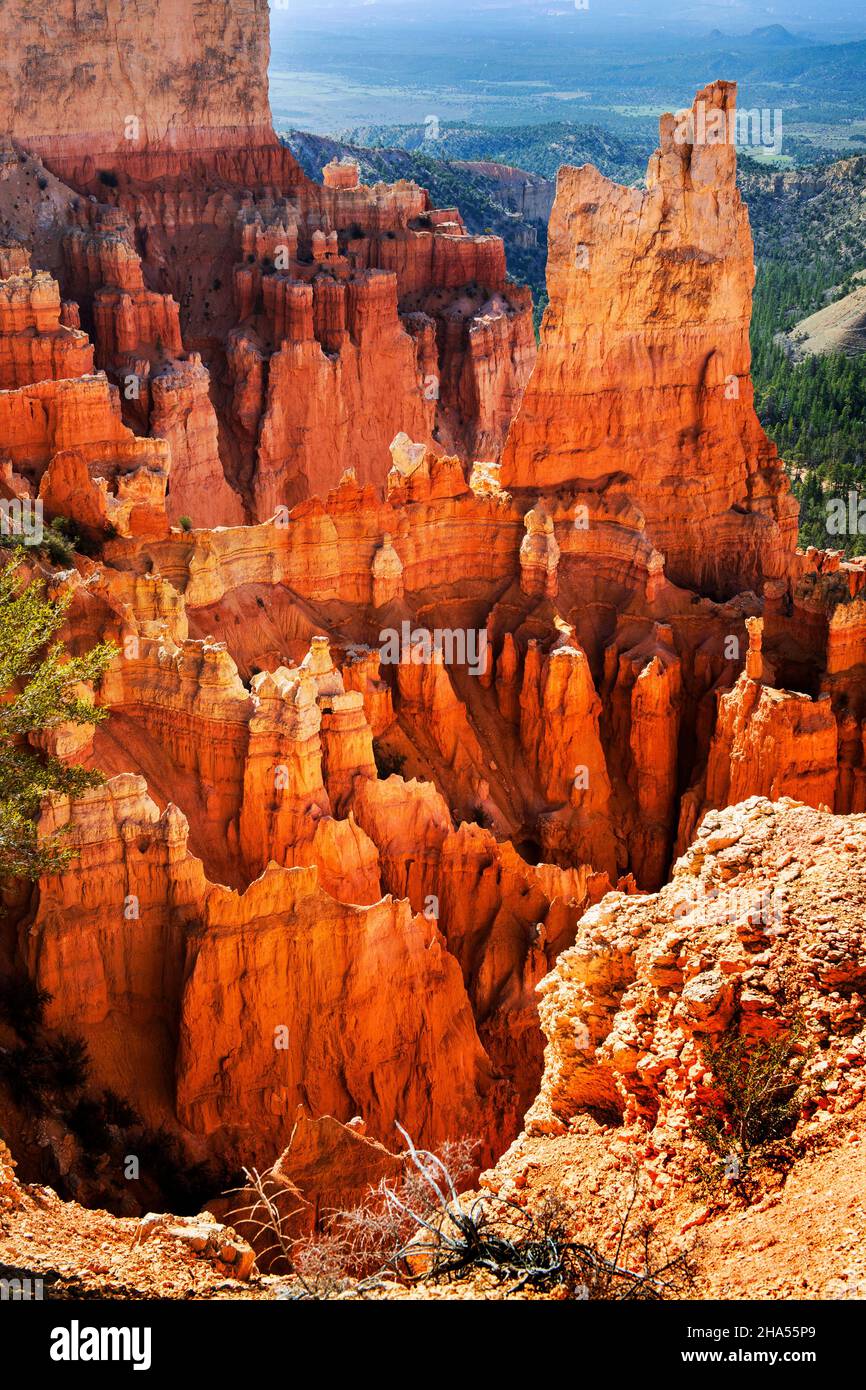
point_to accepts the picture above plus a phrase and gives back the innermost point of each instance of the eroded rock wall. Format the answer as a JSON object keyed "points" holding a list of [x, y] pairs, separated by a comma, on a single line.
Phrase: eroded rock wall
{"points": [[155, 74]]}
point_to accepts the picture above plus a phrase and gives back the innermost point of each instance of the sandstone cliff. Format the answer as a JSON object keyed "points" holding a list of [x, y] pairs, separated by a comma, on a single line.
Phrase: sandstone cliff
{"points": [[101, 80]]}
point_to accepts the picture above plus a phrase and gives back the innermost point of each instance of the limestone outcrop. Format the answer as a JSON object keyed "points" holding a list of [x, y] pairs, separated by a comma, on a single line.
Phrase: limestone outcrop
{"points": [[738, 941]]}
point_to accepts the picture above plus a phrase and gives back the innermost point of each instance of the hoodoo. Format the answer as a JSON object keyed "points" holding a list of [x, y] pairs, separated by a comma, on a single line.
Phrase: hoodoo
{"points": [[642, 389], [328, 317]]}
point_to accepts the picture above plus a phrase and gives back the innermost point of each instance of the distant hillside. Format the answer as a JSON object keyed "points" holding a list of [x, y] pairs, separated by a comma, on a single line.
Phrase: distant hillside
{"points": [[810, 243], [495, 72], [777, 34], [814, 215], [839, 327], [768, 36], [538, 148]]}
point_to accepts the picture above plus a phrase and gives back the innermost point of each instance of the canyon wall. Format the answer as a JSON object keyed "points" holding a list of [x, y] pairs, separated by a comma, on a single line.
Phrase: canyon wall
{"points": [[330, 312], [115, 77]]}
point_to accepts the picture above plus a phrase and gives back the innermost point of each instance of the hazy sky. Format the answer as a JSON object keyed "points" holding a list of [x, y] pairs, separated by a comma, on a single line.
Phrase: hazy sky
{"points": [[827, 19]]}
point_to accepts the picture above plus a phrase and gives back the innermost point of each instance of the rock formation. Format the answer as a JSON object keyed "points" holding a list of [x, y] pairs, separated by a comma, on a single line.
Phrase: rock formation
{"points": [[386, 722], [736, 941], [35, 344], [183, 414], [97, 83], [168, 942], [642, 384], [331, 312]]}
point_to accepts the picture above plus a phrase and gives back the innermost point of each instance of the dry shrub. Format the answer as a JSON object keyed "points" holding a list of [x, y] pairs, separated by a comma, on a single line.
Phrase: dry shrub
{"points": [[420, 1229]]}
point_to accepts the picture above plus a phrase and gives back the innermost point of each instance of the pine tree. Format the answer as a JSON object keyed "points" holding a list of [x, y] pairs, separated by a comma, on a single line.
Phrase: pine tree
{"points": [[37, 681]]}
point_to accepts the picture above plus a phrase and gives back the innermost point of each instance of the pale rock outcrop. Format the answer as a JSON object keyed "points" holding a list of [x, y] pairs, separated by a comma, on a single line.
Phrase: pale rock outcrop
{"points": [[387, 574], [539, 555], [733, 941]]}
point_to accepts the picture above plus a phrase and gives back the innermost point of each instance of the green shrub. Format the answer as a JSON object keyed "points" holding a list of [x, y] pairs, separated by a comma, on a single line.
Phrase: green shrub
{"points": [[756, 1102], [58, 544], [38, 683]]}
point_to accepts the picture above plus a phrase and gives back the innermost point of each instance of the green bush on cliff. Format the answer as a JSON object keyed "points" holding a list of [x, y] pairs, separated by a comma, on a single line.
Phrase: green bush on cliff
{"points": [[37, 692], [755, 1105]]}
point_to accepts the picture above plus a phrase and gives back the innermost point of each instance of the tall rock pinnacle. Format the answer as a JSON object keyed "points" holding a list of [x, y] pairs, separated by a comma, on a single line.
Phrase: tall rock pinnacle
{"points": [[642, 381]]}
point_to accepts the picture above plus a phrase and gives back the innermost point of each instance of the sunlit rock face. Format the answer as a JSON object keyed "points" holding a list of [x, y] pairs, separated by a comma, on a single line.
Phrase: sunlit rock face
{"points": [[300, 962], [642, 384], [100, 81], [731, 945]]}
